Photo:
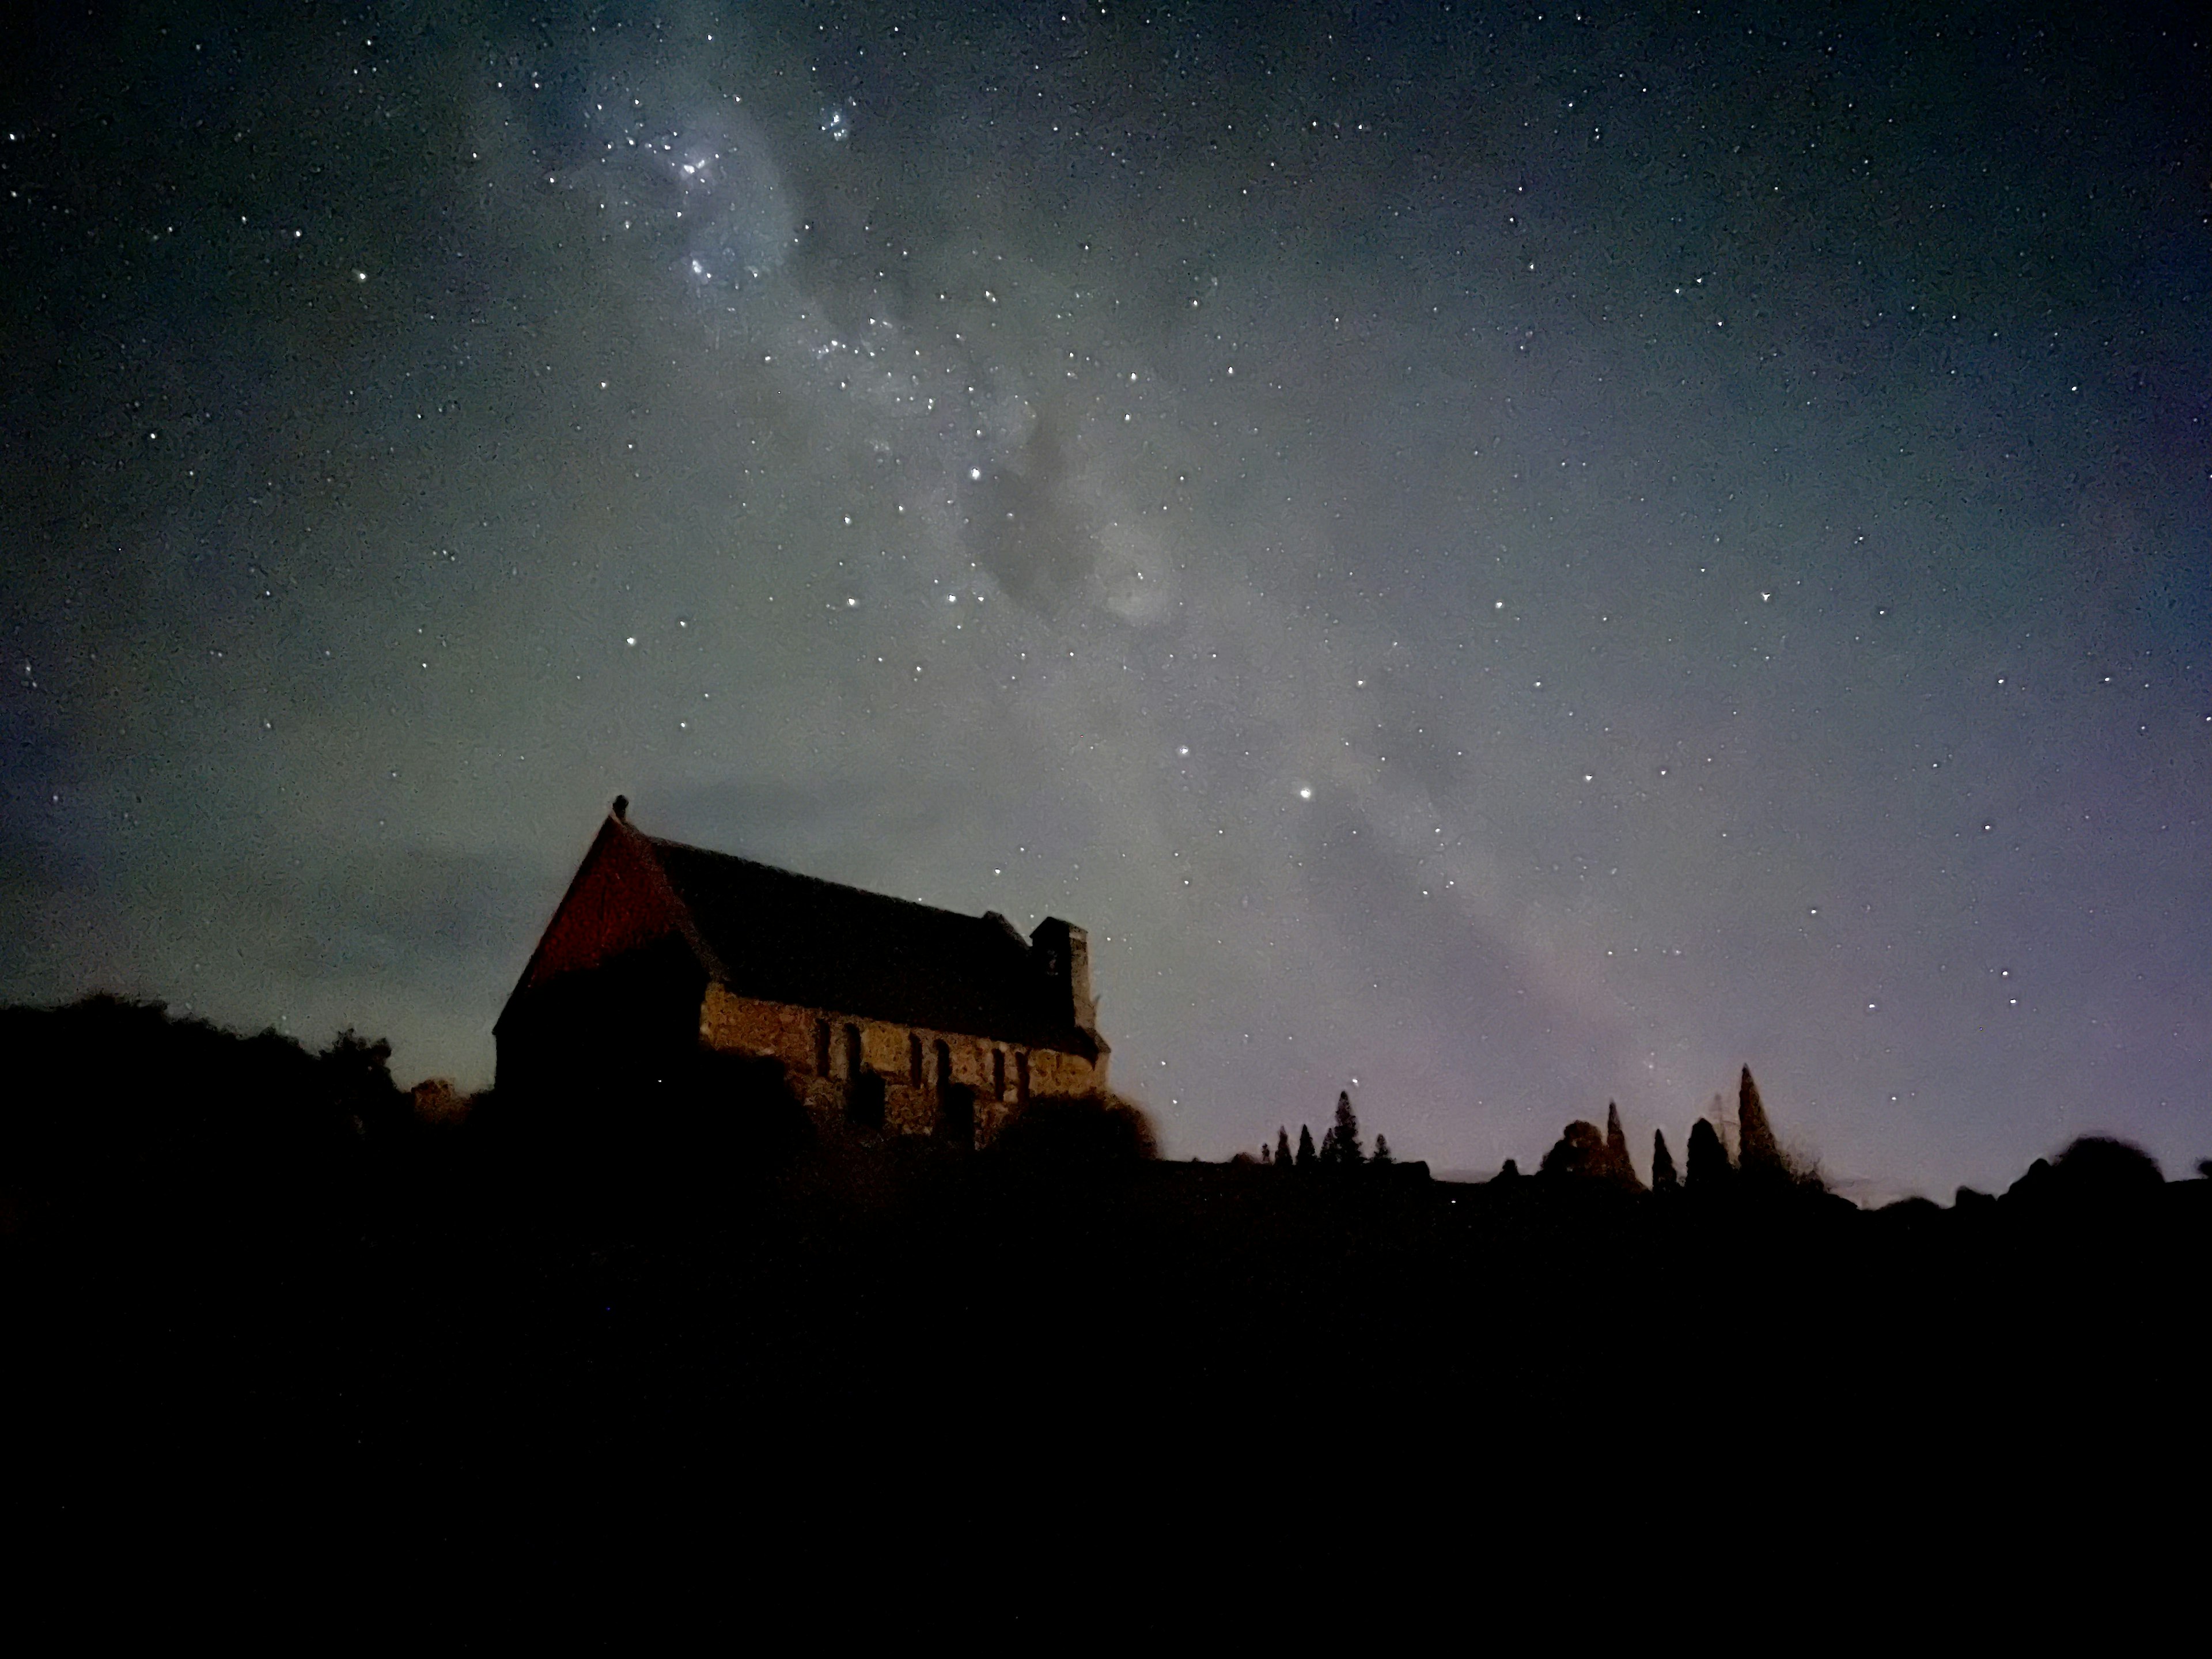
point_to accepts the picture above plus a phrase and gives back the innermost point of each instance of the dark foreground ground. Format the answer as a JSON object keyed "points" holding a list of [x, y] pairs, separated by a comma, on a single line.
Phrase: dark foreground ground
{"points": [[259, 1326], [904, 1350]]}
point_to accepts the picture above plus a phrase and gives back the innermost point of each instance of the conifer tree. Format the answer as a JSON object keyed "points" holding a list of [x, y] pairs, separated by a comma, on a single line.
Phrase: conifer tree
{"points": [[1618, 1167], [1757, 1153], [1662, 1163], [1382, 1151], [1708, 1163], [1340, 1147], [1307, 1157], [1282, 1149]]}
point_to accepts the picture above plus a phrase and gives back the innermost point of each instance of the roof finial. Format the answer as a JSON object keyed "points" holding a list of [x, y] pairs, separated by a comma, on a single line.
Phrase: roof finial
{"points": [[622, 808]]}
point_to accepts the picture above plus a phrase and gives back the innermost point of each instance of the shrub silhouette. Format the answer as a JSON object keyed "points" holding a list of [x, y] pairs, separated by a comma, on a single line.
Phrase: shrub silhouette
{"points": [[1578, 1151], [864, 1101], [2102, 1164], [2095, 1173], [117, 1109], [692, 1114], [956, 1116], [1709, 1168], [1076, 1130]]}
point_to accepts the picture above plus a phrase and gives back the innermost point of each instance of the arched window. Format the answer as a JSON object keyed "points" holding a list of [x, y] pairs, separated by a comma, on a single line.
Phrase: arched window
{"points": [[822, 1048], [913, 1058], [1022, 1076], [852, 1051], [944, 1065]]}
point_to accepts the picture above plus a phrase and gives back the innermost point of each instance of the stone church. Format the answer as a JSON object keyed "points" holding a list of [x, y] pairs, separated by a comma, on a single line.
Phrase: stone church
{"points": [[885, 1014]]}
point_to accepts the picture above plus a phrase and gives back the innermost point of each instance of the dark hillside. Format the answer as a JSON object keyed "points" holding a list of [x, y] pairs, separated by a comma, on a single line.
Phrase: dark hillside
{"points": [[233, 1262]]}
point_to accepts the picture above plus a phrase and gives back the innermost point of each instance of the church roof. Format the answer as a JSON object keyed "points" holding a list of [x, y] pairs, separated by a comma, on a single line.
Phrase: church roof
{"points": [[782, 937]]}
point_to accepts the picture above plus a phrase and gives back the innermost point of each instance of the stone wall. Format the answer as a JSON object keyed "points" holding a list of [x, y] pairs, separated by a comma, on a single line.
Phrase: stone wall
{"points": [[736, 1025]]}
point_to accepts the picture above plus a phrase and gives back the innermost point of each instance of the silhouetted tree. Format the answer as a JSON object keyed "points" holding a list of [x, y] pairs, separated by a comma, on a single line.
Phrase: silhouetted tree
{"points": [[1759, 1155], [2095, 1173], [1579, 1152], [1662, 1163], [1282, 1149], [1307, 1157], [1382, 1150], [1340, 1146], [1709, 1168], [357, 1072], [1618, 1167], [2114, 1165], [1510, 1171]]}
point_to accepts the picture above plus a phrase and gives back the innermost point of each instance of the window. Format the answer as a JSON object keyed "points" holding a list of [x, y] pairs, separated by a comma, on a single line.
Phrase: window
{"points": [[1022, 1076], [998, 1073], [822, 1048], [852, 1051], [944, 1065], [913, 1058]]}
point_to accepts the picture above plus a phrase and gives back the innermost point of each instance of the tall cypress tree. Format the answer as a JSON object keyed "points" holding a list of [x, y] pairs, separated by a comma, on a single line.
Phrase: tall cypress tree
{"points": [[1340, 1147], [1618, 1167], [1757, 1153], [1282, 1149], [1662, 1163], [1709, 1159], [1307, 1157]]}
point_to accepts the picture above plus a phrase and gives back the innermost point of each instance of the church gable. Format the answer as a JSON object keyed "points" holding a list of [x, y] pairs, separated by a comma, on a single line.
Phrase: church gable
{"points": [[619, 904]]}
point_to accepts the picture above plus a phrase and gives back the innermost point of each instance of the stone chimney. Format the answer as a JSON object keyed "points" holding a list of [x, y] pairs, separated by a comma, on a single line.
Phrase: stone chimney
{"points": [[1063, 952]]}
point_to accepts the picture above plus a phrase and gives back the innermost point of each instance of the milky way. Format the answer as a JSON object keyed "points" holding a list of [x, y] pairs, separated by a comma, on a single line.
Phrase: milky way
{"points": [[1498, 559]]}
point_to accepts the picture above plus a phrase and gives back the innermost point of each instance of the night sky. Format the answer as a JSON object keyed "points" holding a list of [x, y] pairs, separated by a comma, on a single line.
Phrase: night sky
{"points": [[1497, 558]]}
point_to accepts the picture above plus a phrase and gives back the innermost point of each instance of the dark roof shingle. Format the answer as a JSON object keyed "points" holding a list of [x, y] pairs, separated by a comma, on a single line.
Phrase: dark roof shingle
{"points": [[798, 940]]}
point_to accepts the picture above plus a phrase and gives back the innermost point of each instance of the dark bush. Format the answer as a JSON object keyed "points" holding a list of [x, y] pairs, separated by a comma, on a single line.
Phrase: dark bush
{"points": [[1579, 1151], [119, 1111], [2097, 1168], [1077, 1130]]}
